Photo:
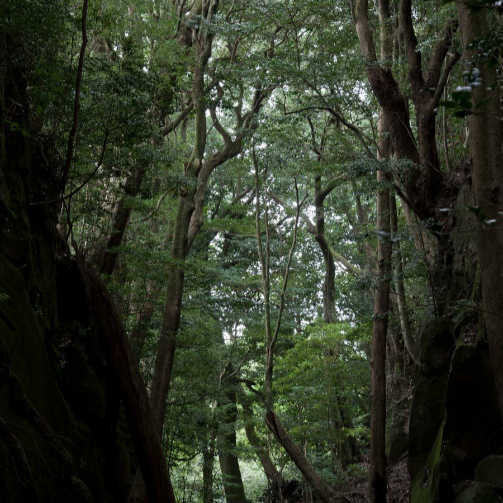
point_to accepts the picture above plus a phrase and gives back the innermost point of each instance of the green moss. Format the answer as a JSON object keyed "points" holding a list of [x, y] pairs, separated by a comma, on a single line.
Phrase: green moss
{"points": [[425, 486]]}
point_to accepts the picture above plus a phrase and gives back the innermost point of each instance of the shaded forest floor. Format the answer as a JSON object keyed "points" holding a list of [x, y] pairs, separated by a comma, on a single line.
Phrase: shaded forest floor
{"points": [[356, 490]]}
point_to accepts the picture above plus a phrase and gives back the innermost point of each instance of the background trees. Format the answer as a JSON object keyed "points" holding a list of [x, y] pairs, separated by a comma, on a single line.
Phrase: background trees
{"points": [[261, 186]]}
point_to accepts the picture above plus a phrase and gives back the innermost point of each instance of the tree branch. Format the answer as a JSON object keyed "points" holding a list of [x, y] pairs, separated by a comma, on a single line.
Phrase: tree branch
{"points": [[179, 119], [439, 53], [76, 102], [413, 54]]}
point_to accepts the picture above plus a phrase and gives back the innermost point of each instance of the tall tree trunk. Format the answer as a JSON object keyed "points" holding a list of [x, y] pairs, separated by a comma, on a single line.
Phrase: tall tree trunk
{"points": [[208, 463], [378, 481], [226, 438], [172, 309], [486, 150]]}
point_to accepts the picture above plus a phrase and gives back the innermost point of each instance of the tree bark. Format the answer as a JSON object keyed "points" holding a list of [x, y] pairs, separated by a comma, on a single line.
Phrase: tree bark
{"points": [[171, 316], [485, 142], [121, 219], [329, 280], [378, 481], [208, 462], [226, 438]]}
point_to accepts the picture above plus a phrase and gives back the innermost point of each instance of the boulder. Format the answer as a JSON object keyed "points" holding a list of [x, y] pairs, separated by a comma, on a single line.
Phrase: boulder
{"points": [[479, 492], [490, 471]]}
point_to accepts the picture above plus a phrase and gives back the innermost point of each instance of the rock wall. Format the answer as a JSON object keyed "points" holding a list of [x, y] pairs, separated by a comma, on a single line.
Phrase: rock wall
{"points": [[61, 437], [456, 437]]}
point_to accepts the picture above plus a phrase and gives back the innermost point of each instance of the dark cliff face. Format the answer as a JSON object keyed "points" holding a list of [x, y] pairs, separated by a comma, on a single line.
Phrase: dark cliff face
{"points": [[455, 441], [61, 437]]}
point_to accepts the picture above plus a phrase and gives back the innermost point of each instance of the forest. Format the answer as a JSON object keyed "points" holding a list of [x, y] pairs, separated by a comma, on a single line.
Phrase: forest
{"points": [[251, 251]]}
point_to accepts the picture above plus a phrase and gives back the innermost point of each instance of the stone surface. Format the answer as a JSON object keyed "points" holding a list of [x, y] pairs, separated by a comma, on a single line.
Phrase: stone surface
{"points": [[490, 470], [478, 492]]}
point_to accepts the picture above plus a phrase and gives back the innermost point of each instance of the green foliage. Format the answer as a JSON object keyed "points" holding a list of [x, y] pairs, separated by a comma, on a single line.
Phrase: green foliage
{"points": [[137, 79], [323, 377]]}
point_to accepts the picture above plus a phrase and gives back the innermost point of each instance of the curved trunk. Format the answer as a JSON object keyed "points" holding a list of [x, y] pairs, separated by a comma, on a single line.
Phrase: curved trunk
{"points": [[171, 316], [323, 490], [273, 476]]}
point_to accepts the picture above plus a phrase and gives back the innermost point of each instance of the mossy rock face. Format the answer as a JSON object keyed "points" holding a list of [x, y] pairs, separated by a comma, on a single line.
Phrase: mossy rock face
{"points": [[490, 471], [436, 347], [57, 424], [56, 441], [431, 481], [398, 447], [427, 416], [428, 404], [453, 424], [479, 492], [397, 436], [472, 411], [84, 390], [24, 347]]}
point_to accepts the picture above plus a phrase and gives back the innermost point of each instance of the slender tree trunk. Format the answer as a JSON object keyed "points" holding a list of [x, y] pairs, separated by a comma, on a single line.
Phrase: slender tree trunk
{"points": [[329, 280], [378, 480], [208, 463], [398, 280], [486, 141], [172, 309], [121, 219], [170, 323]]}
